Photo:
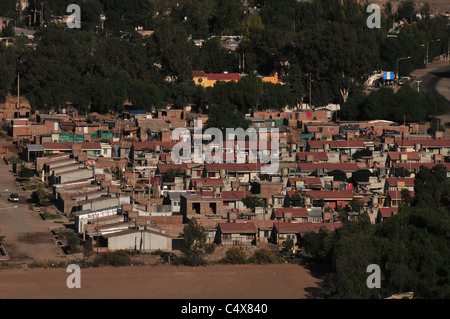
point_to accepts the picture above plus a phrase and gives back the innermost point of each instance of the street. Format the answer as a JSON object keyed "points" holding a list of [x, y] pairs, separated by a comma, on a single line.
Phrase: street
{"points": [[435, 78], [27, 237]]}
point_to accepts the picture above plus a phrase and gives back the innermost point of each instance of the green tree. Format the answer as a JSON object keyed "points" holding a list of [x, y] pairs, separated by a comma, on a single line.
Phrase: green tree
{"points": [[145, 96], [252, 22], [262, 256], [298, 200], [226, 115], [432, 188], [174, 52], [227, 17], [320, 245], [361, 153], [7, 70], [401, 172], [8, 30], [234, 255], [249, 90], [252, 202], [338, 175], [406, 10], [169, 176], [39, 196], [213, 57], [406, 197], [425, 11], [194, 244]]}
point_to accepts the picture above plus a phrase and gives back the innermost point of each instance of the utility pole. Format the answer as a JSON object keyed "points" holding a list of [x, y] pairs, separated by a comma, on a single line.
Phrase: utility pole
{"points": [[310, 101], [18, 90], [428, 44], [34, 20], [42, 14]]}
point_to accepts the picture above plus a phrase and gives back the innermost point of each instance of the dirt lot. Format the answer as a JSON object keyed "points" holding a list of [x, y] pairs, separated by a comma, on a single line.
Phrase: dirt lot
{"points": [[439, 6], [279, 281]]}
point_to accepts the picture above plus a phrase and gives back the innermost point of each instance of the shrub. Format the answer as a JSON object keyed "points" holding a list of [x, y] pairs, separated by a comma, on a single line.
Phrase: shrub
{"points": [[157, 252], [234, 255], [72, 244], [262, 256], [115, 259]]}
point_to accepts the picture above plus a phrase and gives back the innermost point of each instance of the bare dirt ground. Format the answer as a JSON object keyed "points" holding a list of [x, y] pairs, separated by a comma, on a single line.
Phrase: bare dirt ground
{"points": [[275, 281], [437, 6]]}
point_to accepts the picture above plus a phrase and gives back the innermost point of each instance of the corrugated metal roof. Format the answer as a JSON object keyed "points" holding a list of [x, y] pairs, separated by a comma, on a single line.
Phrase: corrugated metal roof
{"points": [[35, 147]]}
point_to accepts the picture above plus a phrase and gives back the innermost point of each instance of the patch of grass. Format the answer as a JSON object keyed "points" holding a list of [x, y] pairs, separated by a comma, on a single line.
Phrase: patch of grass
{"points": [[31, 187], [47, 215], [14, 160]]}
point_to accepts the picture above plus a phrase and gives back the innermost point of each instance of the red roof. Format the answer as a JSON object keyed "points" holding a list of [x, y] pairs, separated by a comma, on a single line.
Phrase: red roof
{"points": [[223, 76], [67, 146], [388, 211], [411, 155], [235, 195], [326, 195], [217, 76], [247, 227], [346, 167], [59, 146], [153, 144], [91, 146], [316, 155], [307, 181], [162, 168], [409, 181], [411, 166], [397, 195], [336, 144], [424, 142], [233, 167], [206, 181], [296, 211], [198, 73]]}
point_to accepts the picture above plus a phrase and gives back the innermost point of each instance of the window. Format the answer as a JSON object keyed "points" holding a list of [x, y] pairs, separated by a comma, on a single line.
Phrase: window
{"points": [[226, 236]]}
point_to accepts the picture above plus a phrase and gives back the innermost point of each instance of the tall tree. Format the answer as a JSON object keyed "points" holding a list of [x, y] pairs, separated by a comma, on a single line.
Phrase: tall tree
{"points": [[194, 244], [226, 115]]}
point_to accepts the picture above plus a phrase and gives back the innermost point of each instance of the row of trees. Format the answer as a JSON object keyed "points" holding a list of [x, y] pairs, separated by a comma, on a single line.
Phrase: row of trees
{"points": [[404, 105], [319, 44], [411, 248]]}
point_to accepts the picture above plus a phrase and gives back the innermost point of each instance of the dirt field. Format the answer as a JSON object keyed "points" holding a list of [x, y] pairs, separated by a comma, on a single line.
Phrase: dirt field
{"points": [[279, 281], [437, 6]]}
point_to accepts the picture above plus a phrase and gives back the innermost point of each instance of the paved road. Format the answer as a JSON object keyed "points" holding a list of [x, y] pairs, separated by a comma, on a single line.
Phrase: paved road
{"points": [[27, 237], [435, 78]]}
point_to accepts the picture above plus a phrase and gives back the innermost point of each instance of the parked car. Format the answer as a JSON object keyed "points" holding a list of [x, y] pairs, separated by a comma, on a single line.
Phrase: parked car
{"points": [[14, 197]]}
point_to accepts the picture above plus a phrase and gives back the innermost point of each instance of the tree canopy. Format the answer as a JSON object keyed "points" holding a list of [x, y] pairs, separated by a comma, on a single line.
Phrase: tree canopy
{"points": [[321, 44], [412, 247]]}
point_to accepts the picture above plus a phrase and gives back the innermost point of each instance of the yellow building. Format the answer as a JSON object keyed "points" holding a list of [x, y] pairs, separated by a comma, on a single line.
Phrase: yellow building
{"points": [[209, 79], [272, 79]]}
